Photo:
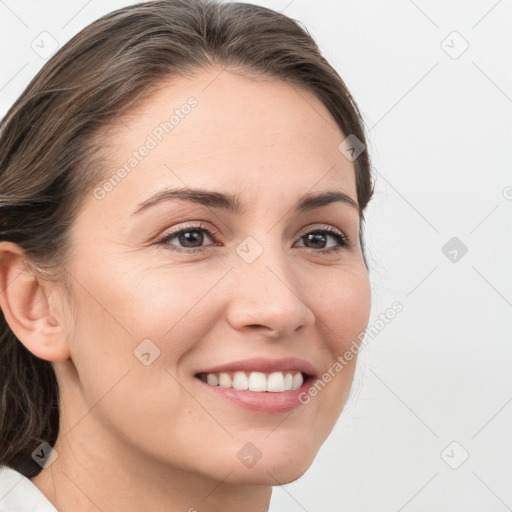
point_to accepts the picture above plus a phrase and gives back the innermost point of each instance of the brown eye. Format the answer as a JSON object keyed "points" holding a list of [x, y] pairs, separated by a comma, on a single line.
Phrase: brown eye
{"points": [[188, 239], [318, 240]]}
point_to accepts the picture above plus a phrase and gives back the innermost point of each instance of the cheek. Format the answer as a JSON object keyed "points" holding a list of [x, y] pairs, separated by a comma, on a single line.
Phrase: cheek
{"points": [[125, 304], [342, 305], [126, 312], [342, 309]]}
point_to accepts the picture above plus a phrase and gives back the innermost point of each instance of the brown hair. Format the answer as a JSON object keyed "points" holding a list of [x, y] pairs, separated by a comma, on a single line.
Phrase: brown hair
{"points": [[49, 142]]}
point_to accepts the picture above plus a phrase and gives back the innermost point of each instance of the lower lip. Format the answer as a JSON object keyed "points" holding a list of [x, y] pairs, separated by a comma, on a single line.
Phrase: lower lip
{"points": [[266, 402]]}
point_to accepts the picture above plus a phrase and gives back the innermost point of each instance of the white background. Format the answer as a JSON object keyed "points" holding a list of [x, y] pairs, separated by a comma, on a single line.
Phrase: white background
{"points": [[440, 138]]}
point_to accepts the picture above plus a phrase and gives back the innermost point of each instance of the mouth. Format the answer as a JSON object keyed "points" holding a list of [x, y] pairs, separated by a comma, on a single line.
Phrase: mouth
{"points": [[259, 385], [258, 382]]}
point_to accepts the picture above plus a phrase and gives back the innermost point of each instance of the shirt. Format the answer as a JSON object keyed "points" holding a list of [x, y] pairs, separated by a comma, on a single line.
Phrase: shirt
{"points": [[19, 494]]}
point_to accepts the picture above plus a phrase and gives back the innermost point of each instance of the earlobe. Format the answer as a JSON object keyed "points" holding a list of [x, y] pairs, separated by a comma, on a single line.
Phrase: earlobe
{"points": [[27, 307]]}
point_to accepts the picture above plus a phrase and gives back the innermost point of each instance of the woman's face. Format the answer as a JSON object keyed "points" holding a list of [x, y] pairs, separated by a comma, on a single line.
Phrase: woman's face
{"points": [[250, 278]]}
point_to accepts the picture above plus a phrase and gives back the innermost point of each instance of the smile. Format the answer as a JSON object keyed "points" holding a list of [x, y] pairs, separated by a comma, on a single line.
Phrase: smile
{"points": [[275, 382]]}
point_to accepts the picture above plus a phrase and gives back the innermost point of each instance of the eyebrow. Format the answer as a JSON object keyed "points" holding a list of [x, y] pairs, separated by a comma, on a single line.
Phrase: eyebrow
{"points": [[232, 203]]}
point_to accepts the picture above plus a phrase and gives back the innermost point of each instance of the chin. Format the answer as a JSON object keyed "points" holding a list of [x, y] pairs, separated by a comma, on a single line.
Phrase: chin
{"points": [[273, 468], [271, 475]]}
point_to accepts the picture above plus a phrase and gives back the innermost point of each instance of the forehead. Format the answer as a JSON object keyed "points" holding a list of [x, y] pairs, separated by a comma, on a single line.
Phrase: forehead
{"points": [[229, 132]]}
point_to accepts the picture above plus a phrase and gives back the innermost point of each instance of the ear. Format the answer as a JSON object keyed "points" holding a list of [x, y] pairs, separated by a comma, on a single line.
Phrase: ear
{"points": [[26, 303]]}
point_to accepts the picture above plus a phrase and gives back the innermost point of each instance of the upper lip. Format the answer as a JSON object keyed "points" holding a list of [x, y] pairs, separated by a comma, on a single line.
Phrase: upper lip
{"points": [[264, 365]]}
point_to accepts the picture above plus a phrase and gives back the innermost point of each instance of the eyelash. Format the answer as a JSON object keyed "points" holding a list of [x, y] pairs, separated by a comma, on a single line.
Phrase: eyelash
{"points": [[343, 240]]}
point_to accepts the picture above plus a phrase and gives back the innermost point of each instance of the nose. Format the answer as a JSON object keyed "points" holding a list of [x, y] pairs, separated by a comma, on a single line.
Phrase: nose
{"points": [[267, 296]]}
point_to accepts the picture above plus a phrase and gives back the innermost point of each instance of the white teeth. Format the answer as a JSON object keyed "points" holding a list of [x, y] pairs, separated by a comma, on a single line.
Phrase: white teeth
{"points": [[297, 381], [224, 380], [288, 382], [257, 381], [275, 382], [240, 381]]}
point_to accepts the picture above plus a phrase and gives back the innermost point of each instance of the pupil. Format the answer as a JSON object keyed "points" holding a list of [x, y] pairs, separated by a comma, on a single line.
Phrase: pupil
{"points": [[188, 238]]}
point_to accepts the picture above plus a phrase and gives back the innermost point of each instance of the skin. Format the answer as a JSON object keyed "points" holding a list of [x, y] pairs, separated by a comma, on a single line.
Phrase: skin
{"points": [[135, 437]]}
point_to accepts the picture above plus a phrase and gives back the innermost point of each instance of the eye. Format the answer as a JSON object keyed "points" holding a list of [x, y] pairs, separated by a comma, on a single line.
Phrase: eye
{"points": [[191, 238], [319, 239]]}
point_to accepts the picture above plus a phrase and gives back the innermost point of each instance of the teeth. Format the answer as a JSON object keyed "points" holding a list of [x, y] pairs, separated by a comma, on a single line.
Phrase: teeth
{"points": [[288, 381], [224, 380], [275, 382], [257, 381], [240, 381], [212, 379], [297, 380]]}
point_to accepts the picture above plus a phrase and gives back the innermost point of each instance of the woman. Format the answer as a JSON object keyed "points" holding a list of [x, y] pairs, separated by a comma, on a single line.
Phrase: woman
{"points": [[182, 262]]}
